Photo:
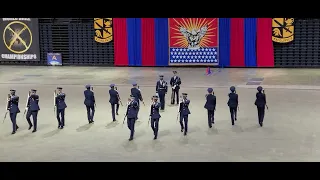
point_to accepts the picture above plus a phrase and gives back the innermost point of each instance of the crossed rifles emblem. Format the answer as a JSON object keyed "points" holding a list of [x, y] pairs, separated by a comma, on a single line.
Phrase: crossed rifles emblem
{"points": [[16, 35]]}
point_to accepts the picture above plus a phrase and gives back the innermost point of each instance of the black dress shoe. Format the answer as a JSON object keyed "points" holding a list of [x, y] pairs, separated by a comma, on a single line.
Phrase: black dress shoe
{"points": [[117, 114], [261, 124], [210, 126], [212, 122], [61, 127], [185, 133], [182, 130], [92, 121], [235, 119], [17, 127], [232, 124], [13, 132], [130, 139], [34, 131], [155, 138], [30, 126]]}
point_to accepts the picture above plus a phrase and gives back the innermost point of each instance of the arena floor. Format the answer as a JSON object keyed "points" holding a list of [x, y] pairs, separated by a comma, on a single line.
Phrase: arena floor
{"points": [[289, 134]]}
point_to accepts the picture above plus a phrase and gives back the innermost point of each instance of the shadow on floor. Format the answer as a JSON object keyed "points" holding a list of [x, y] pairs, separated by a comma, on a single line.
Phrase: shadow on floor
{"points": [[84, 127], [112, 124]]}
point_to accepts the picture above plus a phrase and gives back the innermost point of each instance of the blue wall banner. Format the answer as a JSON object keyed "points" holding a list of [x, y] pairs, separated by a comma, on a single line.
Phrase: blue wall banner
{"points": [[54, 59]]}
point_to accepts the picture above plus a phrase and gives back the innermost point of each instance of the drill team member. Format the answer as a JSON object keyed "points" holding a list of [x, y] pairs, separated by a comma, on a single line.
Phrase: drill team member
{"points": [[114, 101], [210, 106], [135, 91], [89, 101], [131, 114], [233, 104], [161, 90], [184, 113], [13, 108], [61, 106], [33, 109], [261, 103], [175, 83], [155, 116]]}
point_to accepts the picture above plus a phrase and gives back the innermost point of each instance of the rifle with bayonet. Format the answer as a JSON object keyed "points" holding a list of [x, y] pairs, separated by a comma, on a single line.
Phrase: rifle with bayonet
{"points": [[26, 108], [7, 107], [94, 102], [118, 96]]}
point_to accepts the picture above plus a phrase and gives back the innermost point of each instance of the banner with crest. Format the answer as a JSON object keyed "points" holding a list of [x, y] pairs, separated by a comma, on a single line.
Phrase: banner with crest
{"points": [[282, 30], [193, 41], [103, 30]]}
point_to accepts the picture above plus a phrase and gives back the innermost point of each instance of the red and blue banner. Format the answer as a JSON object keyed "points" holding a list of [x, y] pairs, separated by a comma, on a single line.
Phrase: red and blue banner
{"points": [[246, 42], [193, 41], [228, 42], [141, 41]]}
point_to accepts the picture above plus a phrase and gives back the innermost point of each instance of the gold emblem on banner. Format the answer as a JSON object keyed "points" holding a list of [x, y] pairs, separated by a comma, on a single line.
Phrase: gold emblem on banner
{"points": [[103, 30], [282, 30], [17, 37]]}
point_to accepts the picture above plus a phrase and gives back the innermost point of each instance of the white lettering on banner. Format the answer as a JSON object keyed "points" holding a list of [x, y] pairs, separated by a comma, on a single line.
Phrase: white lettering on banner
{"points": [[16, 19], [24, 19], [19, 56]]}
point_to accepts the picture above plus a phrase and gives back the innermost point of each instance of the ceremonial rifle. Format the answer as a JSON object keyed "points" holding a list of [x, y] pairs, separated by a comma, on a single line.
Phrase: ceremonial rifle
{"points": [[25, 110], [141, 95], [7, 108], [118, 96], [94, 102], [54, 101], [263, 91]]}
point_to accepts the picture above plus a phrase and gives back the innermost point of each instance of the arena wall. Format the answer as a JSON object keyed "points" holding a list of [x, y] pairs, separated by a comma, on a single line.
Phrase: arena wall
{"points": [[241, 42]]}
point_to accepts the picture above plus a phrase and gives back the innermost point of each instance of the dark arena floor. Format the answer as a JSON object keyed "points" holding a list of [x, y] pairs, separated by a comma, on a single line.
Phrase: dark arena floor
{"points": [[289, 133]]}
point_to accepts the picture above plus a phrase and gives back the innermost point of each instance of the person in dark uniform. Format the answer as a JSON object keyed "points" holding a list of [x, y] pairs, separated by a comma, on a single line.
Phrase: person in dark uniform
{"points": [[131, 114], [175, 83], [13, 108], [135, 91], [114, 101], [184, 113], [33, 109], [89, 101], [61, 106], [261, 103], [233, 104], [210, 106], [155, 116], [161, 90]]}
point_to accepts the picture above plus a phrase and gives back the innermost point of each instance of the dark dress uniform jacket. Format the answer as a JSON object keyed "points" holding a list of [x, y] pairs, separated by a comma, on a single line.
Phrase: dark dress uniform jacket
{"points": [[132, 110], [261, 100], [233, 100], [33, 103], [137, 94], [161, 87], [176, 82], [60, 101], [211, 102], [89, 98], [13, 104], [113, 96], [184, 108], [154, 112]]}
